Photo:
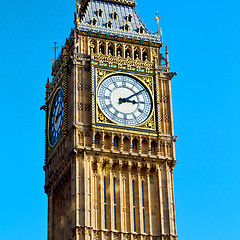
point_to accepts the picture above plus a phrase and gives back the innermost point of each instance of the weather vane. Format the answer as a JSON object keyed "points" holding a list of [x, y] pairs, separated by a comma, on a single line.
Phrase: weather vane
{"points": [[159, 29], [55, 51]]}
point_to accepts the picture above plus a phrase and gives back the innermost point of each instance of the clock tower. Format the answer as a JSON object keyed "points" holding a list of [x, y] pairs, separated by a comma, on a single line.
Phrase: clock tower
{"points": [[110, 144]]}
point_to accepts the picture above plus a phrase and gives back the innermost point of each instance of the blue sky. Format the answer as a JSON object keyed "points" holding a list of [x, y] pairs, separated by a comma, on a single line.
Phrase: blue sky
{"points": [[203, 40]]}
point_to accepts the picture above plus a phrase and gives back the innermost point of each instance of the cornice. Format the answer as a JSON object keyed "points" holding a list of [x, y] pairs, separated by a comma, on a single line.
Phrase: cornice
{"points": [[120, 39]]}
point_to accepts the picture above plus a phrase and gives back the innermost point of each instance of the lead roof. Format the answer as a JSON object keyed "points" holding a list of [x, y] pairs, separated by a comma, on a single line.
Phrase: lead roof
{"points": [[117, 29]]}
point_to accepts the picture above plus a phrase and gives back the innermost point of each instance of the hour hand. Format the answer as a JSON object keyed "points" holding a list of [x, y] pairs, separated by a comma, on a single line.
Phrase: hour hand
{"points": [[58, 115], [131, 101], [123, 100]]}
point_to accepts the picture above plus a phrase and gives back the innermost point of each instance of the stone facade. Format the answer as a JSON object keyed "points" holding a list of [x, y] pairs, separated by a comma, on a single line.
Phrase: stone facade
{"points": [[97, 189]]}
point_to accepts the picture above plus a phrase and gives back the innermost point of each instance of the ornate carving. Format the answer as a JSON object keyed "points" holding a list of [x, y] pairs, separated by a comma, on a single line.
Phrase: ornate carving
{"points": [[105, 237], [148, 81], [80, 106], [84, 106], [115, 236], [95, 236], [87, 107], [102, 118], [87, 88], [150, 124], [166, 118], [163, 98], [122, 62], [80, 86]]}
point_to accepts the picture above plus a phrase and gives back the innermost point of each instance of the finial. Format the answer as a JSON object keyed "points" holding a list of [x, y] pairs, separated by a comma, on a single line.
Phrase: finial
{"points": [[47, 84], [55, 50], [159, 29], [167, 59]]}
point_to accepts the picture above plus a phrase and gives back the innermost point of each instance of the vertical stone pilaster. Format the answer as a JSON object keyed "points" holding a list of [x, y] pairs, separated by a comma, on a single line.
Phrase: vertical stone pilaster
{"points": [[95, 198], [148, 199], [160, 197], [139, 201], [121, 146], [101, 197], [110, 194], [103, 141], [50, 216], [140, 146], [131, 139], [130, 201], [163, 112]]}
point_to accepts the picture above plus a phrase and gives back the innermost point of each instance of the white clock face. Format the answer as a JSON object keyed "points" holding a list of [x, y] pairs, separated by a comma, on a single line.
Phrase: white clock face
{"points": [[124, 100]]}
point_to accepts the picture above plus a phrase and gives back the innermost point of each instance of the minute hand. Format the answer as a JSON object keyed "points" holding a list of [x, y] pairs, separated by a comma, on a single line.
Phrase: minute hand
{"points": [[135, 94]]}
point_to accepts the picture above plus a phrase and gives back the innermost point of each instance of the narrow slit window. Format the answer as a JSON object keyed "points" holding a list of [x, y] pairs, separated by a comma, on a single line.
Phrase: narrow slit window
{"points": [[115, 204], [115, 142], [153, 147], [105, 203], [134, 145], [134, 206], [143, 209], [97, 140]]}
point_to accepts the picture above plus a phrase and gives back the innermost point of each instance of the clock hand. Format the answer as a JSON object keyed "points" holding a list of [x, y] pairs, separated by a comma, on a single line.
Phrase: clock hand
{"points": [[59, 114], [122, 100], [131, 101], [135, 94]]}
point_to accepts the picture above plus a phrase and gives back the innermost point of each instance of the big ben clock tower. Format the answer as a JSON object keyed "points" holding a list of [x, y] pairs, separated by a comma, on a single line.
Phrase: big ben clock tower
{"points": [[110, 144]]}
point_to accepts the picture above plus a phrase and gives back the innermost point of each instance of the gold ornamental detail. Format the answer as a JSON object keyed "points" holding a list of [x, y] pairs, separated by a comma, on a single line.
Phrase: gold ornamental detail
{"points": [[149, 124], [120, 62]]}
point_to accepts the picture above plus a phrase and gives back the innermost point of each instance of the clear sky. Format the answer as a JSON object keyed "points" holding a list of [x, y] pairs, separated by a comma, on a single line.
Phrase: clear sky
{"points": [[204, 48]]}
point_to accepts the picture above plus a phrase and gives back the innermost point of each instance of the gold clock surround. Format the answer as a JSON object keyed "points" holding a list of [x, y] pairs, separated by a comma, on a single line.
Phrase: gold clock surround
{"points": [[100, 120]]}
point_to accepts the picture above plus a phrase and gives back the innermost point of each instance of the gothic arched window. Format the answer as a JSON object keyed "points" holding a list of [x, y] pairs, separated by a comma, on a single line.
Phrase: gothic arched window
{"points": [[99, 12], [109, 24], [126, 27], [141, 30], [129, 17], [94, 22], [114, 15]]}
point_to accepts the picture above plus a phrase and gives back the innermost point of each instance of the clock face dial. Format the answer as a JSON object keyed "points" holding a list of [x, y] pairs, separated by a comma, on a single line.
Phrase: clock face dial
{"points": [[56, 117], [124, 100]]}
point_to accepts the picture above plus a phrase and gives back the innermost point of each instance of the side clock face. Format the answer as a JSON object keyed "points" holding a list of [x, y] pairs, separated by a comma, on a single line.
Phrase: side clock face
{"points": [[56, 117], [124, 100]]}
